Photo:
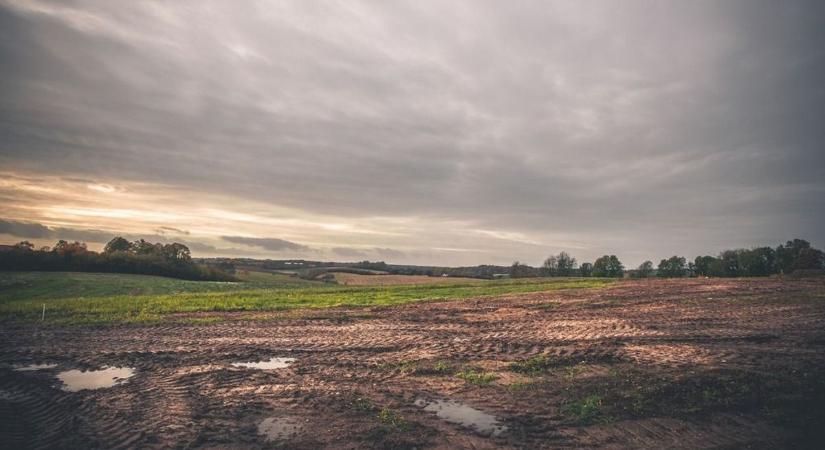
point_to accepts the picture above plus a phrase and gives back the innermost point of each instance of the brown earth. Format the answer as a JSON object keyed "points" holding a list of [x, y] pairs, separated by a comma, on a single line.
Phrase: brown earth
{"points": [[354, 279], [641, 364]]}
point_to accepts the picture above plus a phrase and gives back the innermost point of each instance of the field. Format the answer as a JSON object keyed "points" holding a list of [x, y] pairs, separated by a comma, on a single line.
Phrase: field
{"points": [[107, 298], [353, 279], [688, 363]]}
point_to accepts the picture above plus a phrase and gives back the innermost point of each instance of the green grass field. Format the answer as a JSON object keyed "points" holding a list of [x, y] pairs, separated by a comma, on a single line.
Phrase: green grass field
{"points": [[116, 298]]}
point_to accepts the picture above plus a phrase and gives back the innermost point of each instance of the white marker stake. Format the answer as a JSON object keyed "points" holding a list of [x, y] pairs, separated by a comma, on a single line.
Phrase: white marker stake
{"points": [[43, 317]]}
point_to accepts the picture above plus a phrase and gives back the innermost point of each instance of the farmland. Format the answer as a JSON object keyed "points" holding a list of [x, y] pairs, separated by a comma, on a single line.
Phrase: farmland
{"points": [[684, 363], [72, 298]]}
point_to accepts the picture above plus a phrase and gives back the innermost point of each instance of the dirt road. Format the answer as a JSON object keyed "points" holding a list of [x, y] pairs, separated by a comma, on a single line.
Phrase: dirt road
{"points": [[641, 364]]}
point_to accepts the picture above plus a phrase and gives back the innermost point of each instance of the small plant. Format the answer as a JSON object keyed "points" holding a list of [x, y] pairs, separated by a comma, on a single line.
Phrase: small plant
{"points": [[586, 410], [391, 420], [362, 404], [475, 377], [532, 365], [442, 368], [573, 371]]}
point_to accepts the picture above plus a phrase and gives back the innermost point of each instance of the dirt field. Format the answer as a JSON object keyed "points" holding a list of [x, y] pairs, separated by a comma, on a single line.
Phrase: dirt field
{"points": [[354, 279], [640, 364]]}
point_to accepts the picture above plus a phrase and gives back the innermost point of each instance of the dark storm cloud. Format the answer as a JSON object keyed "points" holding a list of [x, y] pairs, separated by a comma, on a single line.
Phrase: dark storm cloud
{"points": [[30, 230], [272, 244], [25, 229], [652, 127]]}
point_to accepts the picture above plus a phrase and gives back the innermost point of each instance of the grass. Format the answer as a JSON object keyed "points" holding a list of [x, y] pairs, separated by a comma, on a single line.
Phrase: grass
{"points": [[586, 410], [74, 298], [477, 377]]}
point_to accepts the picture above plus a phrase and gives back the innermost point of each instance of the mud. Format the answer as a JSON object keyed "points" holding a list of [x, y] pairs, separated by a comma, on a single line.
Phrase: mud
{"points": [[642, 364]]}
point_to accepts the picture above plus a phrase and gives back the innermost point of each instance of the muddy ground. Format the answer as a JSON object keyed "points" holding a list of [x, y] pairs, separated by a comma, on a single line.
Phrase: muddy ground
{"points": [[641, 364]]}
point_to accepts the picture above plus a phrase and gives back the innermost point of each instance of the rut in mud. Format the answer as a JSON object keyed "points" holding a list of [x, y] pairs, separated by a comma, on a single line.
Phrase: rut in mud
{"points": [[650, 364]]}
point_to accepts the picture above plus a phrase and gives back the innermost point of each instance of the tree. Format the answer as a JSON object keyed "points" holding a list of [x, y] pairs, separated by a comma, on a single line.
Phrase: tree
{"points": [[673, 267], [757, 262], [64, 248], [519, 270], [798, 255], [644, 270], [142, 247], [117, 244], [608, 266], [550, 266], [561, 265], [24, 245], [566, 264], [586, 269], [702, 265], [176, 252]]}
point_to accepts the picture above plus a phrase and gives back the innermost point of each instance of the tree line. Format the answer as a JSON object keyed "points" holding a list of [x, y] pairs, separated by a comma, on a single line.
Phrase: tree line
{"points": [[794, 256], [119, 256]]}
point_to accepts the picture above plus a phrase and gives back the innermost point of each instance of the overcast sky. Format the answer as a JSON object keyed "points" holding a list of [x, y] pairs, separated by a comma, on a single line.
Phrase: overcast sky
{"points": [[440, 132]]}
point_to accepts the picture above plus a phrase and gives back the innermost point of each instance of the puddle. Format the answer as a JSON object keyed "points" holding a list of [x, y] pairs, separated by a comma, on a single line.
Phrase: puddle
{"points": [[464, 415], [33, 367], [279, 428], [77, 380], [274, 363]]}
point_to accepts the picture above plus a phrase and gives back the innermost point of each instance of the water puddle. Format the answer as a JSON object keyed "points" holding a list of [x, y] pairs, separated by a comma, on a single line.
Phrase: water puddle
{"points": [[279, 428], [33, 367], [464, 415], [274, 363], [77, 380]]}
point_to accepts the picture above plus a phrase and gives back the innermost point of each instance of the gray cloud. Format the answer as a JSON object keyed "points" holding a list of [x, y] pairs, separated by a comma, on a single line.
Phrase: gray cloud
{"points": [[639, 129], [272, 244], [347, 252], [25, 229], [31, 230]]}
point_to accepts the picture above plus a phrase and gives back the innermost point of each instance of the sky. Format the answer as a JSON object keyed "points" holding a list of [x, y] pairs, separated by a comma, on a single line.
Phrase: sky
{"points": [[423, 132]]}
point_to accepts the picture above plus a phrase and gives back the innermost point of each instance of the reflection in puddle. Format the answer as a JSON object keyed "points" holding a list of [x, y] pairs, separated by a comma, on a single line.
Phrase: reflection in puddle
{"points": [[33, 367], [274, 363], [77, 380], [457, 413], [278, 428]]}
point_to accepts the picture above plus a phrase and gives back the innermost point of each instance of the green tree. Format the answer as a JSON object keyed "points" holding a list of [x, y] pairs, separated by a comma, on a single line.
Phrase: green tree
{"points": [[702, 265], [645, 269], [117, 244], [608, 266], [673, 267], [586, 269]]}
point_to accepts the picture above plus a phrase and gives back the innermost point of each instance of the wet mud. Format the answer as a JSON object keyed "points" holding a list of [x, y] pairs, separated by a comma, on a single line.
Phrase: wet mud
{"points": [[641, 364]]}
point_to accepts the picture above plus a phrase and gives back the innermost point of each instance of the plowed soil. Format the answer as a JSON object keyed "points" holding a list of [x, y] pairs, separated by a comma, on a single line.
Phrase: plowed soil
{"points": [[641, 364]]}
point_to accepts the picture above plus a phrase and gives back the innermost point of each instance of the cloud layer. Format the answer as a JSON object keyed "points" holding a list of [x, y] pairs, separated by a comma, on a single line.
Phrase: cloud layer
{"points": [[466, 132]]}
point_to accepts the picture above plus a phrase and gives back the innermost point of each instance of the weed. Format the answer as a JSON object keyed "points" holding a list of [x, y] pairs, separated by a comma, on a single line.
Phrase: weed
{"points": [[532, 366], [586, 410], [477, 378], [391, 420]]}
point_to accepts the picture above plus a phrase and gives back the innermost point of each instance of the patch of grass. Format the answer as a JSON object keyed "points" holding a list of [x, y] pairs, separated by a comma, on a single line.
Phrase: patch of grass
{"points": [[398, 366], [442, 368], [571, 372], [548, 305], [362, 404], [392, 420], [115, 298], [586, 410], [520, 386], [477, 377], [531, 366]]}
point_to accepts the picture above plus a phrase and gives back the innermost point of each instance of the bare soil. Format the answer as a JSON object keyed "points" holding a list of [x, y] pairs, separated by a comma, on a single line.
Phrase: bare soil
{"points": [[354, 279], [699, 363]]}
